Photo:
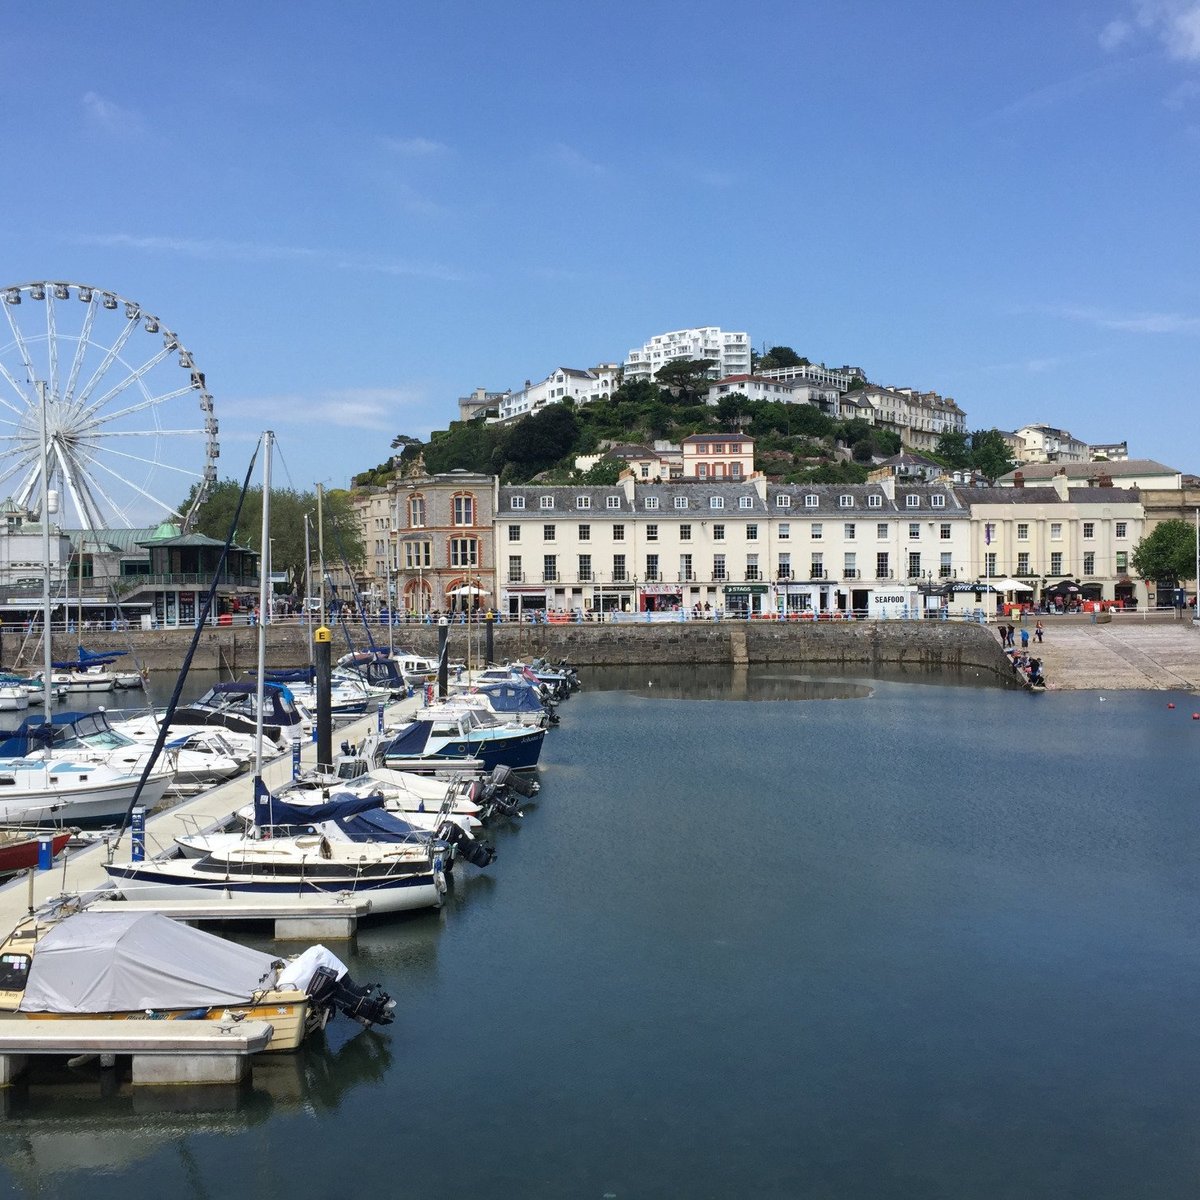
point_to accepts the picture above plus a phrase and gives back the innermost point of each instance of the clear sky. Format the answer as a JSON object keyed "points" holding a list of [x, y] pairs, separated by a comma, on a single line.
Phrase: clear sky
{"points": [[354, 213]]}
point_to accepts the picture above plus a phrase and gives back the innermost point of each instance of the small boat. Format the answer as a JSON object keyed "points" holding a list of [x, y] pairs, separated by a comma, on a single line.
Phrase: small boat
{"points": [[13, 697], [450, 732], [514, 701], [21, 848], [144, 966], [234, 705], [71, 791]]}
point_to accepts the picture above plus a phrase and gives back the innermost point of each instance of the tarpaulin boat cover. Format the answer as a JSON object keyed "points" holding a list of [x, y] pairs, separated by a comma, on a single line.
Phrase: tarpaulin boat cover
{"points": [[113, 962]]}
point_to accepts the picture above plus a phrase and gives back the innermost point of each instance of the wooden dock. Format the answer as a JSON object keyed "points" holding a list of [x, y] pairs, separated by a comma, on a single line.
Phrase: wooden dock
{"points": [[328, 920]]}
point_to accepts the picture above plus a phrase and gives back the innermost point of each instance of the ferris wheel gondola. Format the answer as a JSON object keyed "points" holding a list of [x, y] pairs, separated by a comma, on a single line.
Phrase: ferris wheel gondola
{"points": [[128, 436]]}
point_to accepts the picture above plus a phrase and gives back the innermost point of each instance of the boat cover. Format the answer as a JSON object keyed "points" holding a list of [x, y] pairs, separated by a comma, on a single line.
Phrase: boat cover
{"points": [[511, 697], [118, 962]]}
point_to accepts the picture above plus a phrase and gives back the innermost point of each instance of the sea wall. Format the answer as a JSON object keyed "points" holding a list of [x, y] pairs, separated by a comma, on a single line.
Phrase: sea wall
{"points": [[939, 645]]}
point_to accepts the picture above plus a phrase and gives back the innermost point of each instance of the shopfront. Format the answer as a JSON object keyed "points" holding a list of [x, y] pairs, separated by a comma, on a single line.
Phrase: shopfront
{"points": [[660, 597], [745, 599]]}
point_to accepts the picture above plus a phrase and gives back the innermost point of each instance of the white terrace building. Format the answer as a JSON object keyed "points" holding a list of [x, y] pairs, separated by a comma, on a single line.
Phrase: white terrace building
{"points": [[729, 351], [796, 391], [563, 383], [1045, 444], [745, 548]]}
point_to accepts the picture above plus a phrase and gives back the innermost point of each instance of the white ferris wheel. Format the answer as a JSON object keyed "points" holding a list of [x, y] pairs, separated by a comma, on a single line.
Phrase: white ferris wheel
{"points": [[130, 426]]}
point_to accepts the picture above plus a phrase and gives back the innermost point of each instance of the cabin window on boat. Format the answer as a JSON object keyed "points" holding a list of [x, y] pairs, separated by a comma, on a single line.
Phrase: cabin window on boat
{"points": [[14, 972]]}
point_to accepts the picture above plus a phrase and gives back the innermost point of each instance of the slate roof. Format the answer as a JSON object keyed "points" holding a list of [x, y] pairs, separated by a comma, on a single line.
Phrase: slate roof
{"points": [[1092, 470]]}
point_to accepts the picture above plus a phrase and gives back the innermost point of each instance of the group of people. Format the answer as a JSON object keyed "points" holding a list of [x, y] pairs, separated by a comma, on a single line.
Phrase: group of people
{"points": [[1008, 636], [1029, 668]]}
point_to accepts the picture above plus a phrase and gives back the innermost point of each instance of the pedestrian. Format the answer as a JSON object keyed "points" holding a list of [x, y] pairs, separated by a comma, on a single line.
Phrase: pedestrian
{"points": [[1024, 639], [1038, 631]]}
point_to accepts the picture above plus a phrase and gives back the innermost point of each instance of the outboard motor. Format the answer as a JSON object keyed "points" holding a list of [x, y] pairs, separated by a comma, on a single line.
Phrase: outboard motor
{"points": [[368, 1005], [478, 854], [506, 777]]}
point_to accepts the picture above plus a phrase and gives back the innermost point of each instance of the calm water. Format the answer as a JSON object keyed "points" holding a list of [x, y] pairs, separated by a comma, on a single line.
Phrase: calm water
{"points": [[897, 938]]}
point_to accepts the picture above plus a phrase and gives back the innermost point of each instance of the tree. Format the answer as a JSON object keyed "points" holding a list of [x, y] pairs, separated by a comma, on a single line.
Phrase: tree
{"points": [[989, 453], [603, 474], [402, 440], [733, 410], [343, 537], [686, 378], [781, 356], [540, 440], [1167, 553], [954, 449]]}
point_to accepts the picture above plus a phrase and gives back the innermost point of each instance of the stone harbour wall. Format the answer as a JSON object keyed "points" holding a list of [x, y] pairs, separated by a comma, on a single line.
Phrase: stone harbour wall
{"points": [[937, 645]]}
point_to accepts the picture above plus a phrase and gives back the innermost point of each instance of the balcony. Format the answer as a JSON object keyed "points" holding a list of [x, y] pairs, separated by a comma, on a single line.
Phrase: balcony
{"points": [[850, 573], [816, 571], [783, 573], [515, 577], [550, 577], [883, 574]]}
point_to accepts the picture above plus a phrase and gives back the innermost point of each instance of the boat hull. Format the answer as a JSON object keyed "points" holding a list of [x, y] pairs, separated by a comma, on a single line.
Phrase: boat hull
{"points": [[75, 800]]}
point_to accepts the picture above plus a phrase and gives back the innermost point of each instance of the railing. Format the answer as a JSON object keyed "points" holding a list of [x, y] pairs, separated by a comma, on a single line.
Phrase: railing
{"points": [[883, 574], [850, 573]]}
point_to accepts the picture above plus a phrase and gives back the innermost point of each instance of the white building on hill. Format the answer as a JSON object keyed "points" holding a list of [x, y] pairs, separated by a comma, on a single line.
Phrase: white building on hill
{"points": [[729, 351]]}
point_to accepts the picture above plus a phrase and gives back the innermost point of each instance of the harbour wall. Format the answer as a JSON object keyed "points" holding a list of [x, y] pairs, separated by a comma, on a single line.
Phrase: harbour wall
{"points": [[929, 645]]}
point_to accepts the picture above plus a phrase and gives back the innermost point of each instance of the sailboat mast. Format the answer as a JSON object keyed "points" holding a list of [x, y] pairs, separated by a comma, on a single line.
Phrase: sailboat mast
{"points": [[264, 583], [47, 650]]}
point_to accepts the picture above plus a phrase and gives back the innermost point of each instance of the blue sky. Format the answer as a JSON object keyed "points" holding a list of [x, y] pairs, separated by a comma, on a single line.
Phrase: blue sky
{"points": [[353, 214]]}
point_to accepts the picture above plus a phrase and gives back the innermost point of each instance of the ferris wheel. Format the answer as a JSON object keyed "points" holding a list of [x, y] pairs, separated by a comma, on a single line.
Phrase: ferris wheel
{"points": [[130, 427]]}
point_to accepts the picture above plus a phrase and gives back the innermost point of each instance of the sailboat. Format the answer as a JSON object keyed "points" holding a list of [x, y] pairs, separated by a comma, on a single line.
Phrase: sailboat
{"points": [[395, 875]]}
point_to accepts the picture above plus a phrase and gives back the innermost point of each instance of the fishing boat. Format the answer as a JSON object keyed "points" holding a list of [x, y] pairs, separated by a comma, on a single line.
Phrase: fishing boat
{"points": [[144, 966]]}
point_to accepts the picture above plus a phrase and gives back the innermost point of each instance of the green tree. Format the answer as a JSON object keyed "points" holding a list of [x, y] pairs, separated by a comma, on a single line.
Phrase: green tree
{"points": [[540, 440], [603, 474], [990, 454], [343, 537], [954, 450], [1168, 553], [778, 357], [402, 441], [686, 378], [733, 410]]}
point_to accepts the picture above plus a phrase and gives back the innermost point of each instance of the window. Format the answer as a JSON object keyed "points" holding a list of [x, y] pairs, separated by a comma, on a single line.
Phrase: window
{"points": [[685, 567], [612, 502], [944, 531], [937, 501], [1089, 529], [912, 501], [944, 566], [618, 568], [914, 564], [1089, 562], [785, 566], [548, 533], [718, 533], [716, 502], [989, 567], [517, 502], [735, 470], [1022, 531], [645, 471], [1122, 562], [514, 533], [583, 502], [1056, 563], [1056, 531], [618, 533], [845, 501], [811, 500], [850, 566], [464, 510], [464, 552], [585, 533], [549, 568], [881, 531], [514, 568], [719, 566], [874, 500], [818, 531], [546, 501], [848, 531], [752, 533], [782, 501], [785, 531], [702, 470], [914, 531], [816, 566], [652, 533], [681, 502], [416, 512], [1120, 529], [1023, 563], [651, 503], [585, 568], [685, 533], [418, 555], [882, 570], [751, 566]]}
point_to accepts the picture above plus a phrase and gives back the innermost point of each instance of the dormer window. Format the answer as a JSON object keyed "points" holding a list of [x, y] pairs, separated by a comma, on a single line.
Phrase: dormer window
{"points": [[612, 502], [716, 502], [517, 502], [583, 502], [681, 502], [875, 500], [651, 502], [745, 502], [937, 501], [845, 501], [546, 501], [912, 501], [811, 500], [782, 501]]}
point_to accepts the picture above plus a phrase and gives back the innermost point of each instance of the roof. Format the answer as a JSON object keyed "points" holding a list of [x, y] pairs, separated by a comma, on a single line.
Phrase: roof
{"points": [[186, 540], [1090, 470], [695, 438], [1047, 495]]}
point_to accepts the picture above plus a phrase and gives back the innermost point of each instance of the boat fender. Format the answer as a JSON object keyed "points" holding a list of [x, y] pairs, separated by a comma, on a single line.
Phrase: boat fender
{"points": [[325, 848]]}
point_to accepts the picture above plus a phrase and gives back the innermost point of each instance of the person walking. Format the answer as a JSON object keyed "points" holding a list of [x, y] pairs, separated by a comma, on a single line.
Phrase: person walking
{"points": [[1024, 639], [1038, 631]]}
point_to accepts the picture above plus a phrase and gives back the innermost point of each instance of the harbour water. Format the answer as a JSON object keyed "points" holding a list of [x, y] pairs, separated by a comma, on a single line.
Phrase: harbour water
{"points": [[761, 935]]}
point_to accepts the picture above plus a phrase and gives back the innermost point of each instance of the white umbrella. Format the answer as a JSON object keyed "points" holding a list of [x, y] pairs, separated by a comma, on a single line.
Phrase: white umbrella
{"points": [[1010, 585], [467, 589]]}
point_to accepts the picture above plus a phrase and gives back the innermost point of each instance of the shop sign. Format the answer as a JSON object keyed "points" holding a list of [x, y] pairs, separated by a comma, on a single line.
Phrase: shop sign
{"points": [[745, 589]]}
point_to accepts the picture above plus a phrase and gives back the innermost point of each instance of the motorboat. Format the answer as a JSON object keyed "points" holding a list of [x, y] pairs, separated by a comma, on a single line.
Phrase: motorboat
{"points": [[512, 701], [453, 732], [72, 681], [143, 728], [13, 697], [89, 737], [72, 790], [144, 966], [233, 706], [21, 849]]}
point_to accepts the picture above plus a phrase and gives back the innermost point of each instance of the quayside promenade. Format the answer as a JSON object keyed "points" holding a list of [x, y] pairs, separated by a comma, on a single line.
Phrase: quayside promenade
{"points": [[1134, 650]]}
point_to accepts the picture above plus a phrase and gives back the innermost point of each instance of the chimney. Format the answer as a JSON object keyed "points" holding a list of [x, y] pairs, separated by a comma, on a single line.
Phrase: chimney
{"points": [[1019, 479], [1104, 481], [1061, 484]]}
